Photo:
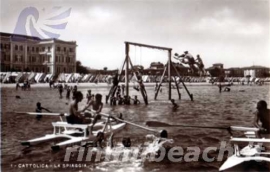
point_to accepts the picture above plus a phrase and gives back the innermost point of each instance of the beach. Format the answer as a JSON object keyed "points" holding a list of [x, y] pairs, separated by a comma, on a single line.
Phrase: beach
{"points": [[209, 108]]}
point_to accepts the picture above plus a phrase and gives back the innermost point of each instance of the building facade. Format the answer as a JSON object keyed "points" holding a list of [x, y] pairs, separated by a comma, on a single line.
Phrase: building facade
{"points": [[234, 72], [251, 71], [27, 53], [256, 71]]}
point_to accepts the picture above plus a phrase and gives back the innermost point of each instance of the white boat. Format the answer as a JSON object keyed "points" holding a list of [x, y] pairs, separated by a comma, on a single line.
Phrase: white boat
{"points": [[63, 129], [254, 151]]}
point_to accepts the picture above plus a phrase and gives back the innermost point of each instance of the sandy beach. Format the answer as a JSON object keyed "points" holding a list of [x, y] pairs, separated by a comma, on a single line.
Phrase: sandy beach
{"points": [[210, 108]]}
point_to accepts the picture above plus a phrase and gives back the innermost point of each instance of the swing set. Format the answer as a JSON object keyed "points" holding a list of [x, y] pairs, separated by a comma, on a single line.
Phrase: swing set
{"points": [[168, 67]]}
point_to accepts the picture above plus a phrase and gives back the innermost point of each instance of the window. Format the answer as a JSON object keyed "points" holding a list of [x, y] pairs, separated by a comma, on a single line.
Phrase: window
{"points": [[33, 49], [21, 48], [49, 49], [21, 59], [16, 47], [15, 58], [64, 49], [7, 46], [2, 46], [71, 49], [37, 49], [43, 48], [28, 48], [58, 48]]}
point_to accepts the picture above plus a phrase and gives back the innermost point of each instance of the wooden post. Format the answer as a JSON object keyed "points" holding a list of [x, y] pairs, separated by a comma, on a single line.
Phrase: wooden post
{"points": [[126, 70], [169, 74], [190, 95], [160, 82], [176, 85]]}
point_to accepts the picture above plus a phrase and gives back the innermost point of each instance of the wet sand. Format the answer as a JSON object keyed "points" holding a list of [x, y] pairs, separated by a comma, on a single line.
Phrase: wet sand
{"points": [[210, 108]]}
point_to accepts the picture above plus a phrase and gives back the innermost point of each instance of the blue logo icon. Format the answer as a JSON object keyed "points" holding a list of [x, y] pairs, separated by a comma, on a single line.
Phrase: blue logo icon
{"points": [[42, 23]]}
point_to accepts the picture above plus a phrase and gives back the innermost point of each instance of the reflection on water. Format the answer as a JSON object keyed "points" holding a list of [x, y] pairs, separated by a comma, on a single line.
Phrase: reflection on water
{"points": [[210, 108]]}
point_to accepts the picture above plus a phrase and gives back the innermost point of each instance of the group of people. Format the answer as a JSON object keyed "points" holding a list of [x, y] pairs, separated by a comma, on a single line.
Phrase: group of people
{"points": [[25, 86], [125, 100], [187, 58], [69, 90], [115, 96], [94, 105]]}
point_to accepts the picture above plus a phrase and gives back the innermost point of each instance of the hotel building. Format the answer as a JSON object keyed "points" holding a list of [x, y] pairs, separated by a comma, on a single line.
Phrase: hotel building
{"points": [[27, 53]]}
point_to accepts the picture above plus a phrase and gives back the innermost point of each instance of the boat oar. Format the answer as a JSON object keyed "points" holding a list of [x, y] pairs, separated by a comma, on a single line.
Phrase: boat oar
{"points": [[163, 124], [43, 113], [163, 133]]}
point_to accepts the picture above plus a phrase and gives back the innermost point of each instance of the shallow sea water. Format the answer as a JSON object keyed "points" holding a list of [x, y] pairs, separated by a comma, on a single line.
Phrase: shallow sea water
{"points": [[209, 108]]}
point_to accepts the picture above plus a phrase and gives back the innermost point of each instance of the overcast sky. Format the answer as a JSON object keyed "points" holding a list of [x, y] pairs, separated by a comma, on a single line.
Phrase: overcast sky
{"points": [[232, 32]]}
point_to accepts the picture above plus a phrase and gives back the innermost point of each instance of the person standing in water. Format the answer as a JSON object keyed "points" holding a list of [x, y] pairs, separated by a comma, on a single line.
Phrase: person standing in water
{"points": [[175, 106], [39, 109], [68, 93], [74, 91], [60, 89], [263, 117]]}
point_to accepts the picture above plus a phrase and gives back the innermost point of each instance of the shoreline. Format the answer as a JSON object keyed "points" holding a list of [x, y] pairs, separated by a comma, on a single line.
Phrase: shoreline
{"points": [[105, 85]]}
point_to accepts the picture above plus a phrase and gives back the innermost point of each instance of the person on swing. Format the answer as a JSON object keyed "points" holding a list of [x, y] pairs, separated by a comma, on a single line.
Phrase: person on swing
{"points": [[190, 60], [200, 64]]}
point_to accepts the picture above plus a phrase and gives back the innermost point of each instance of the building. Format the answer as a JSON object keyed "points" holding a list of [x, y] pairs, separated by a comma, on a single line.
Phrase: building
{"points": [[256, 71], [251, 71], [218, 65], [216, 70], [27, 53], [156, 65], [234, 72]]}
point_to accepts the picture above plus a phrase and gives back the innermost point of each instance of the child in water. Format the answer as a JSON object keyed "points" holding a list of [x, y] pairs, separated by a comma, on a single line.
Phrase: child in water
{"points": [[136, 101], [39, 109]]}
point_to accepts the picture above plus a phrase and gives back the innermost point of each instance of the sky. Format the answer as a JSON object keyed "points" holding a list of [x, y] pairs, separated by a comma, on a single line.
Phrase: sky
{"points": [[232, 32]]}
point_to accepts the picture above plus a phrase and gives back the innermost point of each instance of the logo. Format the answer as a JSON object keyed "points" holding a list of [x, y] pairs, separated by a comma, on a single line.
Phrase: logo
{"points": [[42, 23]]}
